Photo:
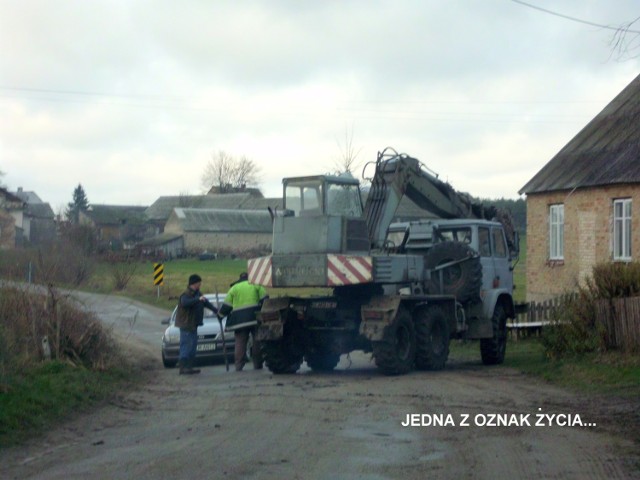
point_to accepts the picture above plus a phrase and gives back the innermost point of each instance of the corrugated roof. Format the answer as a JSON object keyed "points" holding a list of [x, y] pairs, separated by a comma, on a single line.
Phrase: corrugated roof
{"points": [[116, 214], [163, 206], [605, 152], [219, 220], [159, 240]]}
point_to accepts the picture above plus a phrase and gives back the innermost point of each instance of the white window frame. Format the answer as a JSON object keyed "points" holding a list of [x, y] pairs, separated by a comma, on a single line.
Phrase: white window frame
{"points": [[622, 229], [556, 231]]}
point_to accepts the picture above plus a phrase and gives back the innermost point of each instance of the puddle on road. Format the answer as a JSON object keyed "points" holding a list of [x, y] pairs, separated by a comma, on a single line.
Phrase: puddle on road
{"points": [[388, 444]]}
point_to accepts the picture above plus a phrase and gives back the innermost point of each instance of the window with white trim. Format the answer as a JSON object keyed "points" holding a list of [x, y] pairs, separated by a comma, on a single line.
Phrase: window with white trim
{"points": [[556, 232], [622, 229]]}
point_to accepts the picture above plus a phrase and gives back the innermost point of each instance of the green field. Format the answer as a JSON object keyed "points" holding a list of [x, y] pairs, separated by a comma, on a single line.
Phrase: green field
{"points": [[217, 275]]}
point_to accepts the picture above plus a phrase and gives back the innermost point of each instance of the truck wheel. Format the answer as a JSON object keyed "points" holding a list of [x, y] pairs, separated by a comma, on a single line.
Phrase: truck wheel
{"points": [[396, 352], [322, 361], [464, 279], [493, 349], [432, 338], [278, 357]]}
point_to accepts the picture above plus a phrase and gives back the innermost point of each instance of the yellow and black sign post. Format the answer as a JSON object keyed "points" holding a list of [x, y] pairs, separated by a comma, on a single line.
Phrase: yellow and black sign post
{"points": [[158, 276]]}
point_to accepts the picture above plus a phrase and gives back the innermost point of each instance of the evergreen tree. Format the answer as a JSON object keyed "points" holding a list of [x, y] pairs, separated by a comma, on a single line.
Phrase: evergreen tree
{"points": [[79, 204]]}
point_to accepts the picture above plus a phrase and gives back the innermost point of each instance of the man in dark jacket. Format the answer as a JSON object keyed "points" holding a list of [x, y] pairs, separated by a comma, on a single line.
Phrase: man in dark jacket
{"points": [[189, 316], [241, 304]]}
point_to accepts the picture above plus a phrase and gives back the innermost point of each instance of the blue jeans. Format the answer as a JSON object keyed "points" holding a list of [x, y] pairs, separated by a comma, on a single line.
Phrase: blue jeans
{"points": [[188, 344]]}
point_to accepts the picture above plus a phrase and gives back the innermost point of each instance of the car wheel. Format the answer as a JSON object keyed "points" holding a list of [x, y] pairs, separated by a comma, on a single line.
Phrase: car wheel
{"points": [[168, 363]]}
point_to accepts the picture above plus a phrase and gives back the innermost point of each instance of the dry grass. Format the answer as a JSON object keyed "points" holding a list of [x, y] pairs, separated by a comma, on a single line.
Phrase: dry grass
{"points": [[44, 324]]}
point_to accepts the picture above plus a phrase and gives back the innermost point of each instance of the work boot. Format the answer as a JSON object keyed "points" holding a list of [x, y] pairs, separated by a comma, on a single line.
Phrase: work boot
{"points": [[186, 368], [190, 369]]}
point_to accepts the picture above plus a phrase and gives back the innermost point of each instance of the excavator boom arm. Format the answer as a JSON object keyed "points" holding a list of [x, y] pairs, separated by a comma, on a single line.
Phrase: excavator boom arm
{"points": [[397, 175]]}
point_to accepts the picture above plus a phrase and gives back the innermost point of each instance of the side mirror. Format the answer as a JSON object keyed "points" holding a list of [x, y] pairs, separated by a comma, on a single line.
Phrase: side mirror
{"points": [[515, 253]]}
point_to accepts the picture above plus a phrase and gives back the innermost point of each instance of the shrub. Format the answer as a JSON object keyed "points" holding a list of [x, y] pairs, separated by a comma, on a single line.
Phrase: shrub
{"points": [[577, 328], [121, 268], [574, 329], [615, 280], [57, 263], [73, 334]]}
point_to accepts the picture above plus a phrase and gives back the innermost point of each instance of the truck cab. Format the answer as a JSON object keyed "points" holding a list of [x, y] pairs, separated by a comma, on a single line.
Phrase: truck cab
{"points": [[323, 214], [484, 237]]}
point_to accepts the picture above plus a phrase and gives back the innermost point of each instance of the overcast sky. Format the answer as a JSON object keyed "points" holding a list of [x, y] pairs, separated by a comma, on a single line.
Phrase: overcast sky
{"points": [[132, 98]]}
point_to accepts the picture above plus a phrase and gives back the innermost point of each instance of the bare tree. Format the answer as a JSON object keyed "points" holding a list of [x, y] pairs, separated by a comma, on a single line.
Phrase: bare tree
{"points": [[186, 200], [228, 174], [625, 42], [348, 154]]}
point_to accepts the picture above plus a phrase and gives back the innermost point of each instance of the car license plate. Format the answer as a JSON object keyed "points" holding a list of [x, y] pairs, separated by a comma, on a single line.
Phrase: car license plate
{"points": [[205, 347]]}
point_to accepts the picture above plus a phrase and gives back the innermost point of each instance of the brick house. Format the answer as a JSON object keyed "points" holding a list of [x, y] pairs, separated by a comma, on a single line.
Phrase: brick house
{"points": [[11, 214], [583, 207]]}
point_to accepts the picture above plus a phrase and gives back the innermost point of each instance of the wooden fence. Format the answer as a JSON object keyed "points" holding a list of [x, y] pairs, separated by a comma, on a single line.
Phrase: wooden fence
{"points": [[620, 318], [535, 316]]}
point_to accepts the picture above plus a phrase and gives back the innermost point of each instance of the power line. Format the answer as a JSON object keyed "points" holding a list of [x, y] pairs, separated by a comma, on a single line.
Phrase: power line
{"points": [[67, 96], [573, 19], [89, 94]]}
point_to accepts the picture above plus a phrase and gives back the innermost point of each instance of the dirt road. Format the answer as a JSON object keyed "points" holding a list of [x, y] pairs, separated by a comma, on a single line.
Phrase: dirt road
{"points": [[344, 425]]}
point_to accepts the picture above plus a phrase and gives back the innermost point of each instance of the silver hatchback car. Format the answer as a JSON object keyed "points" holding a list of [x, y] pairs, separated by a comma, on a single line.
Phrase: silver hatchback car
{"points": [[209, 337]]}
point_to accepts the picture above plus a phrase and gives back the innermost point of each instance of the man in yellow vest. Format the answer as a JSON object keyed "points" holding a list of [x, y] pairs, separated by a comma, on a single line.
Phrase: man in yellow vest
{"points": [[242, 303]]}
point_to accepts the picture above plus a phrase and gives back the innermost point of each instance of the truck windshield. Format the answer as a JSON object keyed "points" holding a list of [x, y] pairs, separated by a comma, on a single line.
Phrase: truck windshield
{"points": [[343, 200], [462, 234], [304, 197]]}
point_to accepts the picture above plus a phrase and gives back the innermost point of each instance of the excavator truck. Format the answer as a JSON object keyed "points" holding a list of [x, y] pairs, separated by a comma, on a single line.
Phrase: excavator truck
{"points": [[399, 290]]}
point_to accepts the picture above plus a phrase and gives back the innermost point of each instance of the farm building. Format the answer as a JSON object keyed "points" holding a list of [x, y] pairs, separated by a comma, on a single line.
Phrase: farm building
{"points": [[160, 211], [221, 231], [117, 226]]}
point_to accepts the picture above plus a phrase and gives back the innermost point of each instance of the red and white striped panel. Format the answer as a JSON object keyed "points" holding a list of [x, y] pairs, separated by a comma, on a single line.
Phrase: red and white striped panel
{"points": [[259, 271], [349, 270]]}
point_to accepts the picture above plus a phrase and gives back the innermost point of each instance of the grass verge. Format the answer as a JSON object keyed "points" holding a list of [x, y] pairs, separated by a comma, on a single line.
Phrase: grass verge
{"points": [[610, 373], [44, 395]]}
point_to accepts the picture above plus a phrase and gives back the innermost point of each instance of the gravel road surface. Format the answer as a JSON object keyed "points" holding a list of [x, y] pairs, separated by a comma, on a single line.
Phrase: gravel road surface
{"points": [[348, 424]]}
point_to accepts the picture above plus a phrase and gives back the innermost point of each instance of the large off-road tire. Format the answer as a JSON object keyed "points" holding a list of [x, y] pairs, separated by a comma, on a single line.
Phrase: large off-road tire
{"points": [[432, 338], [279, 358], [395, 354], [322, 361], [464, 279], [493, 349]]}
